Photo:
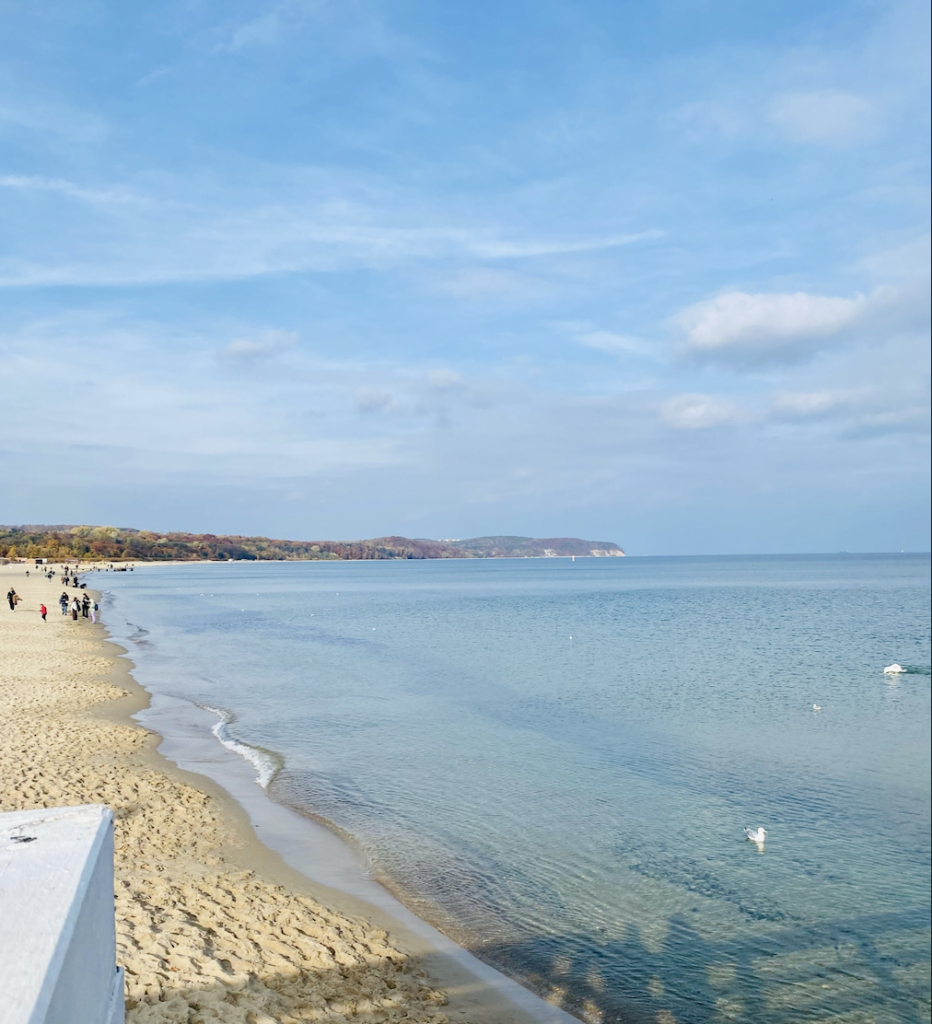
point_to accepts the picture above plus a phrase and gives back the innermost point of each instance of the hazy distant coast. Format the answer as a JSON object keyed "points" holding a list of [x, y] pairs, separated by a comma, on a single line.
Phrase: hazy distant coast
{"points": [[63, 543]]}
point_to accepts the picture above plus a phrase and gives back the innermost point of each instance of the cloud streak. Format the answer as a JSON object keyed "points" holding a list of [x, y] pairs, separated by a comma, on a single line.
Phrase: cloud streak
{"points": [[143, 238], [265, 344]]}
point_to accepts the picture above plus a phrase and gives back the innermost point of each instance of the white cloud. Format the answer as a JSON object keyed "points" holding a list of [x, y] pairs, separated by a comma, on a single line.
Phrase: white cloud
{"points": [[697, 412], [266, 343], [825, 117], [740, 327], [738, 323]]}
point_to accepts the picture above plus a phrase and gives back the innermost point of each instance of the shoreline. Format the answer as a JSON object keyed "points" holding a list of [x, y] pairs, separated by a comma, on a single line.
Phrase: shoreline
{"points": [[411, 969]]}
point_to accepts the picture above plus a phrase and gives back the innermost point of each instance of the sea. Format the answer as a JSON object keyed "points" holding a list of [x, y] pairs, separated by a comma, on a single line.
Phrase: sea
{"points": [[554, 761]]}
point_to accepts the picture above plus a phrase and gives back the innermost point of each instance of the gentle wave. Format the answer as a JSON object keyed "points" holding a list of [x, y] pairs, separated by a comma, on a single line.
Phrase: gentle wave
{"points": [[266, 763]]}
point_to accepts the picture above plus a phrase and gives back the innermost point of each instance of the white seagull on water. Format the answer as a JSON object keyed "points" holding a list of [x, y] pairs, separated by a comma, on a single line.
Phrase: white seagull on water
{"points": [[816, 707], [893, 670], [756, 835]]}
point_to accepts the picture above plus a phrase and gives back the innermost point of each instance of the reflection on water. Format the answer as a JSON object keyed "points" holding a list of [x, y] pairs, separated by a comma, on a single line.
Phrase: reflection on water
{"points": [[556, 761], [804, 975]]}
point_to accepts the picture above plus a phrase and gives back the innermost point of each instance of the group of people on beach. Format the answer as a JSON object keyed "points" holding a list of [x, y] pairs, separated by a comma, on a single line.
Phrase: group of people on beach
{"points": [[85, 606]]}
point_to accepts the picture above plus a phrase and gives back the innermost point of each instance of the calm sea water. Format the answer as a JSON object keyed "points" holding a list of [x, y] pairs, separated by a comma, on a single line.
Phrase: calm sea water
{"points": [[554, 760]]}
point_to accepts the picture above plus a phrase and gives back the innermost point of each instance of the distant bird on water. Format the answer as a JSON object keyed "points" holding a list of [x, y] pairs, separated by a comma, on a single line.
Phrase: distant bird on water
{"points": [[756, 835], [816, 707], [893, 670]]}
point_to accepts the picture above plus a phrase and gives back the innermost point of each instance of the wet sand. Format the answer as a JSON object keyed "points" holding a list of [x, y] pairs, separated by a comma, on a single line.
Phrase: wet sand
{"points": [[211, 924]]}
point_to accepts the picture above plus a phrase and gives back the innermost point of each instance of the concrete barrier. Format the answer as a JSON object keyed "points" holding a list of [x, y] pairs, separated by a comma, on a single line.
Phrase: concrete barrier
{"points": [[57, 934]]}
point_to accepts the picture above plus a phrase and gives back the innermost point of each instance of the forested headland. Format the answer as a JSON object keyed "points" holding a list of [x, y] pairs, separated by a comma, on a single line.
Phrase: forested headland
{"points": [[111, 543]]}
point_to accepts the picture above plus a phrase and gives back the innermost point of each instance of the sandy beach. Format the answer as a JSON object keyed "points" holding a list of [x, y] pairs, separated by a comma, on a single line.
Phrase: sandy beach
{"points": [[211, 926]]}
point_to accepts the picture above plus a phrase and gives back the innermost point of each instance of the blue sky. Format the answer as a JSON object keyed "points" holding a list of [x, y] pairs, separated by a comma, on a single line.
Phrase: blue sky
{"points": [[652, 273]]}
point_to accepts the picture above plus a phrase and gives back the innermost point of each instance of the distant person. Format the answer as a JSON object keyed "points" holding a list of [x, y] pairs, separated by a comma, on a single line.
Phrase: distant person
{"points": [[13, 599], [85, 606], [75, 608], [95, 608], [63, 601], [43, 611]]}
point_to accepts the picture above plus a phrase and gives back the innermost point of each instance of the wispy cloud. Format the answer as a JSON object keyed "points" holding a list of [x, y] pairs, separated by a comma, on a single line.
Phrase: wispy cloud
{"points": [[161, 239], [54, 119], [262, 31], [613, 343], [445, 380], [266, 343], [806, 403], [699, 412], [501, 249], [825, 117], [93, 196]]}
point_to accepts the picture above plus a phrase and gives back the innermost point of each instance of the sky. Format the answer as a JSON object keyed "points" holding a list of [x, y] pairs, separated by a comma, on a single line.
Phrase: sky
{"points": [[649, 273]]}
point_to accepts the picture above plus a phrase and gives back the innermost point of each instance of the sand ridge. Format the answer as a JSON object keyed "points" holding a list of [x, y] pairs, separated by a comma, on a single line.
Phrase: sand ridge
{"points": [[202, 938]]}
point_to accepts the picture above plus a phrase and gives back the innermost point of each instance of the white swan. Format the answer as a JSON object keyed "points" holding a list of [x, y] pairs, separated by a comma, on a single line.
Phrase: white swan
{"points": [[756, 835], [893, 670], [816, 707]]}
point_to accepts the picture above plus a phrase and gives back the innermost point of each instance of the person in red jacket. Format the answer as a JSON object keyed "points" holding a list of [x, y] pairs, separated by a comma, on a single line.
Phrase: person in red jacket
{"points": [[43, 611]]}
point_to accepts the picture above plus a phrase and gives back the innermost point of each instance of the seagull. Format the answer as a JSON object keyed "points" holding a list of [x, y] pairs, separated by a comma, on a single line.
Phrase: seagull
{"points": [[893, 670], [816, 707], [757, 835]]}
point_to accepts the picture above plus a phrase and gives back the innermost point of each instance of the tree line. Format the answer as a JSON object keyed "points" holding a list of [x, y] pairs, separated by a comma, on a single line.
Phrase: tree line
{"points": [[112, 544]]}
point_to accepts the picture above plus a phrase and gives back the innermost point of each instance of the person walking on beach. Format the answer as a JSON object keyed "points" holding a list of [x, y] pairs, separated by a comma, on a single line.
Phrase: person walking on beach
{"points": [[95, 607], [63, 601], [85, 606], [43, 611], [75, 608], [13, 599]]}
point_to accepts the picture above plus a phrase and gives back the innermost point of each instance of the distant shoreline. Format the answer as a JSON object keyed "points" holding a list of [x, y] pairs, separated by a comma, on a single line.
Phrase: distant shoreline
{"points": [[110, 544]]}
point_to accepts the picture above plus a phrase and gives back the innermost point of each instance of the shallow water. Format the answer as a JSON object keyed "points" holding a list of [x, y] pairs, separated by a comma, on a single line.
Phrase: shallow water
{"points": [[554, 760]]}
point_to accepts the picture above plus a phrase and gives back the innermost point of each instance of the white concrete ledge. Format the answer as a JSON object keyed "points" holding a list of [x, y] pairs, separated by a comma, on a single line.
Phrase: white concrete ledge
{"points": [[57, 934]]}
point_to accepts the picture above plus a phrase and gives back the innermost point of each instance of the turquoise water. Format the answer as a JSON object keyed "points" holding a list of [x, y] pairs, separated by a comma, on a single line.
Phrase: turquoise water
{"points": [[554, 760]]}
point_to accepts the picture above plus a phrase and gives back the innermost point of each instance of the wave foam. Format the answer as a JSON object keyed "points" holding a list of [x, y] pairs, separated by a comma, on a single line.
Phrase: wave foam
{"points": [[265, 763]]}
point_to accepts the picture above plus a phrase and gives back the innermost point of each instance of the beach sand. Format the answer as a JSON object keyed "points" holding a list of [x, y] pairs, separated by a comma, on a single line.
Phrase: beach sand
{"points": [[211, 926]]}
